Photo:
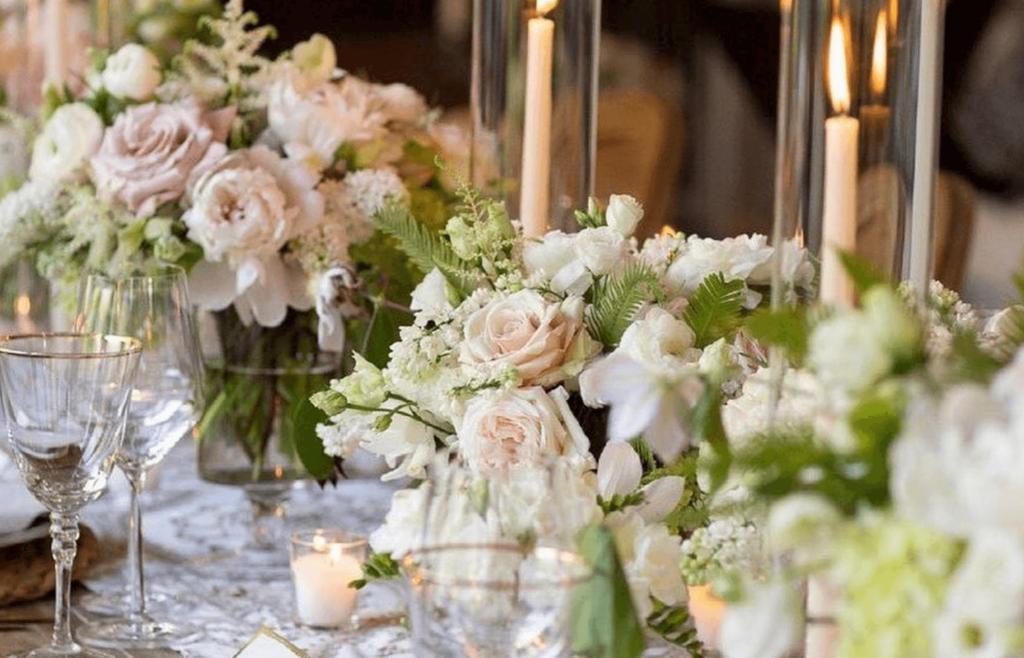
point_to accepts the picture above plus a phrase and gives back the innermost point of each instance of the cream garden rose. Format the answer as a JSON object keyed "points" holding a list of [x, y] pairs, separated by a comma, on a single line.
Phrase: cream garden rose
{"points": [[519, 428], [527, 332], [150, 152], [132, 72], [70, 137]]}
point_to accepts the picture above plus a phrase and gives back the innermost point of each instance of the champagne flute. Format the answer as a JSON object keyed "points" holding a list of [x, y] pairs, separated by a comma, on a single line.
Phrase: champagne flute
{"points": [[152, 305], [65, 399]]}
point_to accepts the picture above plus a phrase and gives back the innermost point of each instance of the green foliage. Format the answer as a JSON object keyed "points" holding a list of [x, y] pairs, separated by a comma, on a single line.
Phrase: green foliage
{"points": [[691, 512], [425, 248], [603, 623], [675, 625], [617, 299], [707, 425], [714, 309], [969, 362], [308, 445], [379, 566], [788, 328], [863, 272], [618, 502]]}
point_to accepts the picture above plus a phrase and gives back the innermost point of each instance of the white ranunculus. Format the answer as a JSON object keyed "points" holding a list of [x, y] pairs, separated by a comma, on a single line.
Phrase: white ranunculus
{"points": [[602, 250], [71, 136], [521, 427], [315, 57], [660, 340], [618, 470], [624, 214], [527, 332], [132, 72], [765, 625]]}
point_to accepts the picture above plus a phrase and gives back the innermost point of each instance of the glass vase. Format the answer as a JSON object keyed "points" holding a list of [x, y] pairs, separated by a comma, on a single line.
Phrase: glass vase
{"points": [[533, 101], [858, 130], [258, 377]]}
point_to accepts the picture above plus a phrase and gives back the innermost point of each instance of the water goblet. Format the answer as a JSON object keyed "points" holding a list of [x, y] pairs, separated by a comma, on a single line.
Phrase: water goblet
{"points": [[151, 304], [65, 399]]}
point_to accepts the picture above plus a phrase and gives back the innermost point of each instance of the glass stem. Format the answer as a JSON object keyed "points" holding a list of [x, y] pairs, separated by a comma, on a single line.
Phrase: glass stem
{"points": [[64, 531], [137, 611]]}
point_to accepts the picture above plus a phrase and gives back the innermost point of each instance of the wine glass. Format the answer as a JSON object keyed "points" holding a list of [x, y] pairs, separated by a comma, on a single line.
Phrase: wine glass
{"points": [[151, 304], [65, 400]]}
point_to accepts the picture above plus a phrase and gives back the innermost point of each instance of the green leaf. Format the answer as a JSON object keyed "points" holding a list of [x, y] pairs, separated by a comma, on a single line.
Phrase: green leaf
{"points": [[788, 328], [603, 623], [714, 309], [424, 247], [863, 272], [308, 445], [707, 424], [675, 625], [381, 334], [617, 299], [379, 566]]}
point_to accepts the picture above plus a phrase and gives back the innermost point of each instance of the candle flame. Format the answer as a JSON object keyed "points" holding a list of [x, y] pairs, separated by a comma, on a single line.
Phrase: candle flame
{"points": [[879, 57], [319, 542], [668, 232], [545, 6], [336, 553], [23, 306], [838, 82], [894, 14]]}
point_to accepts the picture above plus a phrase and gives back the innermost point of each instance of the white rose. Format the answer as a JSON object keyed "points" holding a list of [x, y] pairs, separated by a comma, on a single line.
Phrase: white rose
{"points": [[527, 332], [553, 255], [602, 250], [315, 57], [522, 427], [71, 136], [132, 72], [767, 624], [624, 214], [660, 340], [618, 470]]}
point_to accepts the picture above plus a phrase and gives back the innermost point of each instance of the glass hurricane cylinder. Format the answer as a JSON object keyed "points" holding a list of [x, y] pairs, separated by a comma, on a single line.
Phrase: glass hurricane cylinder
{"points": [[257, 379], [858, 130], [533, 101]]}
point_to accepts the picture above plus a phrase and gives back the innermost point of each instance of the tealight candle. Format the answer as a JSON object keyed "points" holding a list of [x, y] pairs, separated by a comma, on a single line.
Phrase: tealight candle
{"points": [[324, 563]]}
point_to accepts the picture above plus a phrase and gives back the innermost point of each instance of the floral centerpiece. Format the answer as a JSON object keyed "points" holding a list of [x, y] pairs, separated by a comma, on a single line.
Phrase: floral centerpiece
{"points": [[258, 177], [889, 470], [517, 347]]}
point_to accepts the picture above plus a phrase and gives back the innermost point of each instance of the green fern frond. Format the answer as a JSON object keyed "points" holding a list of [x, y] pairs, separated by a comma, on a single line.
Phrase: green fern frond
{"points": [[675, 625], [714, 310], [617, 299], [425, 248]]}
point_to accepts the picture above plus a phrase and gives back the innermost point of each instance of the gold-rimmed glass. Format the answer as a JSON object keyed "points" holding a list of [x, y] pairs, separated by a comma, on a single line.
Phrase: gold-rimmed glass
{"points": [[65, 399]]}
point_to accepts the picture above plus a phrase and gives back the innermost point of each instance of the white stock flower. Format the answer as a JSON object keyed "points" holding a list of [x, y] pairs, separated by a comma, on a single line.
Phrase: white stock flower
{"points": [[767, 624], [644, 401], [527, 332], [132, 72], [71, 136], [618, 470], [521, 427], [624, 214]]}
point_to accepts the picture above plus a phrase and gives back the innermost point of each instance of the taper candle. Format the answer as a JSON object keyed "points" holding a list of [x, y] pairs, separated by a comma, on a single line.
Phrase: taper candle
{"points": [[535, 183]]}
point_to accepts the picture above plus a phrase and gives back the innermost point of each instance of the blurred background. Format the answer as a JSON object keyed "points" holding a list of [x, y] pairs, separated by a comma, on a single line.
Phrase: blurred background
{"points": [[687, 115]]}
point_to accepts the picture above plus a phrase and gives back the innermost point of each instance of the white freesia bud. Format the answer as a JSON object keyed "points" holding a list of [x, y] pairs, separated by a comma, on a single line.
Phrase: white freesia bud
{"points": [[71, 136], [624, 214], [618, 470], [315, 57], [765, 625], [132, 72], [661, 497]]}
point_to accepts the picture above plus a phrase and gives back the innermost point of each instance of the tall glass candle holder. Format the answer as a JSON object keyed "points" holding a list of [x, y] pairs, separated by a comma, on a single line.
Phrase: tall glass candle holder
{"points": [[858, 128], [533, 100]]}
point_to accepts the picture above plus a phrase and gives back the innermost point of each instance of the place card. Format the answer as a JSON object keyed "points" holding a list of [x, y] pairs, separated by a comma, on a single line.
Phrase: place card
{"points": [[268, 644]]}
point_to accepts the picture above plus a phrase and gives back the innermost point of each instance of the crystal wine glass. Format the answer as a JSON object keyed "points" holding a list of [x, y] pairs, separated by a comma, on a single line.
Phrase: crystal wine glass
{"points": [[65, 400], [152, 305]]}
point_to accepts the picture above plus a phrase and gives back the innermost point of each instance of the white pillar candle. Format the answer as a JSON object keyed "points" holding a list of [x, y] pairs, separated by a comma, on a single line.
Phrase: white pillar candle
{"points": [[839, 223], [323, 597], [535, 181], [56, 43]]}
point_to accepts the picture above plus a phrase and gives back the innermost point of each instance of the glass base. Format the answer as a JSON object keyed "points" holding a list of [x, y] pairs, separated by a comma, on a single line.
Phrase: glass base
{"points": [[76, 651], [124, 634], [116, 602]]}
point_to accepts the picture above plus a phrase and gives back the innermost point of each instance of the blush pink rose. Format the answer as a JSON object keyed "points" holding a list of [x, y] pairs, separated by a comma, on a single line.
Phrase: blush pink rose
{"points": [[147, 156]]}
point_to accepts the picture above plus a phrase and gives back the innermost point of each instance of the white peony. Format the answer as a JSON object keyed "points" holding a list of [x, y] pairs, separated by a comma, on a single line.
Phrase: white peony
{"points": [[132, 72], [71, 136], [624, 214]]}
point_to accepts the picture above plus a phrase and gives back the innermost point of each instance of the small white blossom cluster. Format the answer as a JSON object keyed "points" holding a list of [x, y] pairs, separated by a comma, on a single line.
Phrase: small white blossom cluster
{"points": [[728, 546]]}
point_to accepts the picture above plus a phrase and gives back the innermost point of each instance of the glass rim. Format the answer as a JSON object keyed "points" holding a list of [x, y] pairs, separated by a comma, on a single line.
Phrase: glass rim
{"points": [[158, 271], [425, 575], [346, 539], [127, 345]]}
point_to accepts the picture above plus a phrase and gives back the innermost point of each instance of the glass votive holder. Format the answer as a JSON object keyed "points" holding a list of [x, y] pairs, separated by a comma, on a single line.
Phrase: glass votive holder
{"points": [[324, 563]]}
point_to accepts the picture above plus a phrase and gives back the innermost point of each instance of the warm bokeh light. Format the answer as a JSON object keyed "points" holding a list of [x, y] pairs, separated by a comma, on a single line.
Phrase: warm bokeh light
{"points": [[545, 6], [22, 306], [838, 77], [879, 57]]}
